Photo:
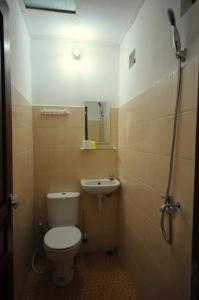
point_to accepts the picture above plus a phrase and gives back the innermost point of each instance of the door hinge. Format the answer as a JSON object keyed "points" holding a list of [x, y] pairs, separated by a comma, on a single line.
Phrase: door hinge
{"points": [[13, 201]]}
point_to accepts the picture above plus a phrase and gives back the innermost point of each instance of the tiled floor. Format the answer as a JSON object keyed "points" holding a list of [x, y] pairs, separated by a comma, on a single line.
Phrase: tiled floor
{"points": [[97, 277]]}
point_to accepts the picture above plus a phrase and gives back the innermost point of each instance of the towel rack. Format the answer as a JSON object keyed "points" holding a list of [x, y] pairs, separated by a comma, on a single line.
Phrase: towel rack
{"points": [[55, 111]]}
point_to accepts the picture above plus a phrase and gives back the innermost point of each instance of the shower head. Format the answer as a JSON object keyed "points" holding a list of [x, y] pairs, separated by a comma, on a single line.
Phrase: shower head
{"points": [[176, 36], [180, 54], [101, 109], [171, 17]]}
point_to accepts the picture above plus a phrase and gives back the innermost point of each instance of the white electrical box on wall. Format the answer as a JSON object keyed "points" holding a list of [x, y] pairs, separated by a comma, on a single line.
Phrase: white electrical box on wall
{"points": [[185, 5], [132, 58]]}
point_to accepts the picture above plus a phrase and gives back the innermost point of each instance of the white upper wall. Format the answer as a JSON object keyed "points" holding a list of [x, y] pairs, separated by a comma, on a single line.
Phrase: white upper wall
{"points": [[151, 36], [104, 21], [20, 51], [59, 79]]}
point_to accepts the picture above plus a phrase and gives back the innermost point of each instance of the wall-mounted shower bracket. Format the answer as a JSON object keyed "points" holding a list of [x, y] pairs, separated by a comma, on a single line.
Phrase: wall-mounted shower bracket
{"points": [[182, 55]]}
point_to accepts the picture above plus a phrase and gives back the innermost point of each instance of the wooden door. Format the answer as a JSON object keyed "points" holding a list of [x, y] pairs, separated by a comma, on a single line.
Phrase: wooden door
{"points": [[6, 265]]}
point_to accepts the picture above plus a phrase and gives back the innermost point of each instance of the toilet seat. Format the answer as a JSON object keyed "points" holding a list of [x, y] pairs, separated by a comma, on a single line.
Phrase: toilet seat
{"points": [[60, 239]]}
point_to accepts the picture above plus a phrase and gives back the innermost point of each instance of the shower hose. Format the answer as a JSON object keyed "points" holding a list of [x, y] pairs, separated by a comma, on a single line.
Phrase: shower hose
{"points": [[169, 207]]}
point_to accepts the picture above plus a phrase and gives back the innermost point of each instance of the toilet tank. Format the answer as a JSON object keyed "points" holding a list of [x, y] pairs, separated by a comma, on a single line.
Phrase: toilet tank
{"points": [[63, 209]]}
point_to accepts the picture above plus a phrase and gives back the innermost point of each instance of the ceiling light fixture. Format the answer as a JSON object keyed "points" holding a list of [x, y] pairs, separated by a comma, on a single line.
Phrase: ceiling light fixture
{"points": [[76, 53]]}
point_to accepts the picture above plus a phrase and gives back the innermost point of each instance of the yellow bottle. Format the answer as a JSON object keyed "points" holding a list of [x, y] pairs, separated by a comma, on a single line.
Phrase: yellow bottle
{"points": [[93, 144]]}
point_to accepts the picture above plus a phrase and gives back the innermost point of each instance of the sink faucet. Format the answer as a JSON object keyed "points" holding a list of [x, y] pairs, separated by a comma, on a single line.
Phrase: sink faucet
{"points": [[111, 177]]}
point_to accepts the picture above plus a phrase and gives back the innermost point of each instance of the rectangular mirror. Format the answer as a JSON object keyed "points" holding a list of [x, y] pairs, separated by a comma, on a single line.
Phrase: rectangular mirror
{"points": [[98, 119]]}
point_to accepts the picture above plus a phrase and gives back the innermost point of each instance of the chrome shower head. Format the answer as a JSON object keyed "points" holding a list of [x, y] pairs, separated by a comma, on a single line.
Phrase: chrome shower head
{"points": [[171, 17], [176, 36], [180, 54]]}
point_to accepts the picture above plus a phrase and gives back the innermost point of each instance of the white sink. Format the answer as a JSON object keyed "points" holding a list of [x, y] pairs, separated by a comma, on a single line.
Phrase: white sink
{"points": [[100, 186]]}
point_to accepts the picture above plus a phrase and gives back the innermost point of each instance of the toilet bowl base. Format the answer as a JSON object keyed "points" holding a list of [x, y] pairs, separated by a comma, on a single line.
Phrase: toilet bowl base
{"points": [[62, 275]]}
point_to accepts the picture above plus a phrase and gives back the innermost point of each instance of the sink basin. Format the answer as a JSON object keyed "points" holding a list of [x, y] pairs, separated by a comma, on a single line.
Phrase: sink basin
{"points": [[100, 186]]}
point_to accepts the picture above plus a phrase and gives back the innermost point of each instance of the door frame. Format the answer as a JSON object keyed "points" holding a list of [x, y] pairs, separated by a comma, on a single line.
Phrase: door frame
{"points": [[7, 149], [195, 238]]}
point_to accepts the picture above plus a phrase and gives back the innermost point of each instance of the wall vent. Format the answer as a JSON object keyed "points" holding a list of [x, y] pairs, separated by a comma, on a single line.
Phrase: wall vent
{"points": [[64, 6], [132, 58]]}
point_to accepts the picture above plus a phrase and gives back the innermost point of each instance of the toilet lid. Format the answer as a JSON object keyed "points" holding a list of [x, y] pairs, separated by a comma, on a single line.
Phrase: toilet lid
{"points": [[62, 237]]}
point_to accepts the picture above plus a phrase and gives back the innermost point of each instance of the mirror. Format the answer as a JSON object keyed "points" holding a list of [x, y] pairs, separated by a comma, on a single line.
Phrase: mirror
{"points": [[98, 117]]}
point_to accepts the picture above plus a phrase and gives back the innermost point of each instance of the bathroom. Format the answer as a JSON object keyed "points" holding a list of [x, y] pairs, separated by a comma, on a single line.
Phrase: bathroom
{"points": [[98, 150]]}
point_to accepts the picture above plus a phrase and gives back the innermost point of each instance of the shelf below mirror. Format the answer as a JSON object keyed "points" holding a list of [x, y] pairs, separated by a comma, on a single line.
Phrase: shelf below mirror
{"points": [[99, 148]]}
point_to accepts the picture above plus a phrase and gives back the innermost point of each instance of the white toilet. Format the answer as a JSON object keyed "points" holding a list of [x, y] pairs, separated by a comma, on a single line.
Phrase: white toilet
{"points": [[62, 241]]}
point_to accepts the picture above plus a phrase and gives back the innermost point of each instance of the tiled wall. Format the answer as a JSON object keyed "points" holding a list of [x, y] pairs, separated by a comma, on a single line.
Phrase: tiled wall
{"points": [[22, 187], [60, 165], [161, 271]]}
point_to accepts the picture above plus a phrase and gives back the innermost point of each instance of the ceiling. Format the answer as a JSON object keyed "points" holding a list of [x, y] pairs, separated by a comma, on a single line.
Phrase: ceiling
{"points": [[103, 21]]}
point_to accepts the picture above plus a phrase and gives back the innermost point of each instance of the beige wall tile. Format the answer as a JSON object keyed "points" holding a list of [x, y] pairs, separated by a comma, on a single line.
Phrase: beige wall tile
{"points": [[179, 277], [60, 165], [164, 127], [152, 99], [150, 169], [188, 99], [67, 137], [185, 147], [21, 108], [43, 161], [161, 172], [145, 134], [183, 183], [23, 227], [164, 102], [43, 137], [114, 117]]}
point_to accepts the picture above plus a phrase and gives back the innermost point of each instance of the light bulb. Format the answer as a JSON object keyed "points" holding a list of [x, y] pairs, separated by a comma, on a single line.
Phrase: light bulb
{"points": [[76, 53]]}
